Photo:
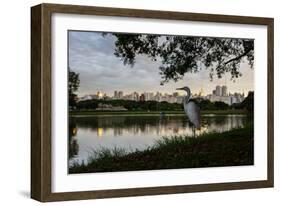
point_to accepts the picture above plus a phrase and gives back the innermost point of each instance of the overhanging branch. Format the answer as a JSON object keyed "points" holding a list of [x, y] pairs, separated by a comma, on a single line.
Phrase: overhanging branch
{"points": [[238, 57]]}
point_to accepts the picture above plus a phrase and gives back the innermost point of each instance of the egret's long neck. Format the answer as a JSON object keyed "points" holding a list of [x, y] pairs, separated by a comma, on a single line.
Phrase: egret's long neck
{"points": [[187, 97]]}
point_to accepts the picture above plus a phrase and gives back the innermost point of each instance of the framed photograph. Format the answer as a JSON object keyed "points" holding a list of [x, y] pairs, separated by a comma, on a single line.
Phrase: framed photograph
{"points": [[132, 102]]}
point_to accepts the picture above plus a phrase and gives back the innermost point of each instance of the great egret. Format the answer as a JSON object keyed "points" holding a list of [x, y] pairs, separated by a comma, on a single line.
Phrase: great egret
{"points": [[191, 109]]}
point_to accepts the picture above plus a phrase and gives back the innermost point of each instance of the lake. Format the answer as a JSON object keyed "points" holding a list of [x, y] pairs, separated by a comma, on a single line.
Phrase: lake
{"points": [[88, 133]]}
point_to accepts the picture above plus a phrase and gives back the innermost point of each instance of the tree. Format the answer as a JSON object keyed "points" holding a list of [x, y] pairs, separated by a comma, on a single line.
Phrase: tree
{"points": [[248, 102], [73, 85], [182, 54], [131, 105], [221, 105]]}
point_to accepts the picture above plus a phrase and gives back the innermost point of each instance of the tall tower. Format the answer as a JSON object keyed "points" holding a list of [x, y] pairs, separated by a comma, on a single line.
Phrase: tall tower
{"points": [[224, 91], [218, 90], [120, 94], [115, 95]]}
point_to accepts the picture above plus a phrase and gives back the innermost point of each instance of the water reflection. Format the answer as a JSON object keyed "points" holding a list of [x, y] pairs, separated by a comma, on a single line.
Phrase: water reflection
{"points": [[73, 146], [136, 132]]}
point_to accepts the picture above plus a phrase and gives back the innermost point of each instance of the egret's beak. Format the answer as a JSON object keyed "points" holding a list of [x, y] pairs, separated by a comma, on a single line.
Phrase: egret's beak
{"points": [[179, 88]]}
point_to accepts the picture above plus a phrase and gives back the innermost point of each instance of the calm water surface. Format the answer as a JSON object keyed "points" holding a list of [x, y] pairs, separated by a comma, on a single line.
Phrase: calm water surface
{"points": [[136, 132]]}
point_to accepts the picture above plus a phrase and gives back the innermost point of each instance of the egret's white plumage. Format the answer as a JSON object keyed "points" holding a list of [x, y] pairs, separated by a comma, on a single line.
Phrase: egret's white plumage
{"points": [[193, 113], [191, 108]]}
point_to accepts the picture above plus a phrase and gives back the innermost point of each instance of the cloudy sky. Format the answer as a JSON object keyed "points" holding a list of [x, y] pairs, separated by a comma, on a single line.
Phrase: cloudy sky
{"points": [[92, 56]]}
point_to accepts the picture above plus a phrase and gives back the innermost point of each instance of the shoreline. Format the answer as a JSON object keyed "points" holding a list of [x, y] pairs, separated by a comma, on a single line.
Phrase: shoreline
{"points": [[152, 113], [230, 148]]}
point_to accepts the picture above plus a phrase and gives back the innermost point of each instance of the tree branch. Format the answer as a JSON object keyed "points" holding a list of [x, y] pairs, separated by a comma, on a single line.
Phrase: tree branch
{"points": [[238, 57]]}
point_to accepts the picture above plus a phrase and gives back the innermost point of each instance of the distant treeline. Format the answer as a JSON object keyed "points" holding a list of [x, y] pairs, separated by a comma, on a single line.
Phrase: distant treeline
{"points": [[130, 105], [247, 104]]}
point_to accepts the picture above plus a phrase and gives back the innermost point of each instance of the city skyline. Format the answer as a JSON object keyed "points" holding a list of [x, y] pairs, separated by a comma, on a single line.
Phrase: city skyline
{"points": [[219, 94], [91, 54], [112, 94]]}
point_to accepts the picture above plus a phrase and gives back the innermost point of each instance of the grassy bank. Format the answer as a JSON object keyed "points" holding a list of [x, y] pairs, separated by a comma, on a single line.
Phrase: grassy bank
{"points": [[94, 113], [230, 148]]}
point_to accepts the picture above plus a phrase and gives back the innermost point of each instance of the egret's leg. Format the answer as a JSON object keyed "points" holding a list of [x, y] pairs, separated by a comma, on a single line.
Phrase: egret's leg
{"points": [[193, 130]]}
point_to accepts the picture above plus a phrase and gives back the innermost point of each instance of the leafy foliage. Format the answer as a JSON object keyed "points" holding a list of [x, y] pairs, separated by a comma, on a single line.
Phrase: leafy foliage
{"points": [[247, 104], [182, 54], [131, 105], [73, 85], [204, 104], [151, 105]]}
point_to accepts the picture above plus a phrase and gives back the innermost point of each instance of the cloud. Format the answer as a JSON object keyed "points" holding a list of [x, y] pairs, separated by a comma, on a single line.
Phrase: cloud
{"points": [[92, 55]]}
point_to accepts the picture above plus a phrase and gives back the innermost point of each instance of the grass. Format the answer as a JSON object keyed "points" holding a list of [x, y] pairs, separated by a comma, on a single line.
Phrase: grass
{"points": [[149, 113], [231, 148]]}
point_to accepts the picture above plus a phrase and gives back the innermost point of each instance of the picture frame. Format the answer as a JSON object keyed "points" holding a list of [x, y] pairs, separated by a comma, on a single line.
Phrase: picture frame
{"points": [[41, 101]]}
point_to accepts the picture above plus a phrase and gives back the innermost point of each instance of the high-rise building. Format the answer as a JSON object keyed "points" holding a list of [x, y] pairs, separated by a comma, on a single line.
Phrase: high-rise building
{"points": [[150, 96], [179, 99], [158, 97], [224, 91], [115, 94], [142, 97], [218, 90], [136, 96], [120, 95]]}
